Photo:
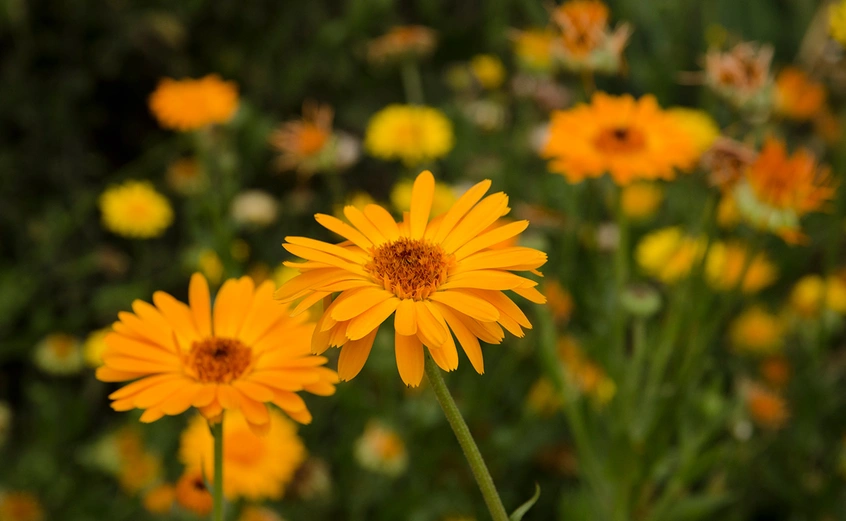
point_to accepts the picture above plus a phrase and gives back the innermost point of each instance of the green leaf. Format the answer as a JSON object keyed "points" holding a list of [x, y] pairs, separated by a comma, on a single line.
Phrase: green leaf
{"points": [[518, 514]]}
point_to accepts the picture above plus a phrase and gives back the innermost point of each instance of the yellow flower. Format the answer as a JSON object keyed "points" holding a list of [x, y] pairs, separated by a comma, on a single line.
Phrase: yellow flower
{"points": [[210, 265], [191, 104], [193, 494], [135, 210], [668, 255], [413, 134], [229, 358], [797, 96], [59, 354], [442, 199], [697, 124], [159, 499], [626, 138], [434, 276], [20, 506], [381, 450], [767, 408], [186, 176], [94, 346], [757, 331], [488, 70], [533, 49], [813, 293], [727, 261], [640, 201], [256, 467], [254, 513], [402, 42], [837, 21]]}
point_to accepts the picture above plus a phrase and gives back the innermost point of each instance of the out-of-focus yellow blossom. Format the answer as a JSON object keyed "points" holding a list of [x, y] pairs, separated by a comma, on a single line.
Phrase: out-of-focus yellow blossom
{"points": [[159, 499], [698, 124], [776, 371], [411, 133], [727, 214], [668, 254], [811, 293], [400, 43], [558, 300], [210, 265], [640, 201], [59, 354], [240, 250], [488, 70], [256, 513], [837, 21], [757, 332], [139, 471], [358, 200], [797, 95], [443, 197], [134, 209], [587, 375], [20, 506], [727, 261], [543, 398], [191, 104], [381, 449], [533, 49], [766, 407], [186, 176], [93, 347], [254, 208]]}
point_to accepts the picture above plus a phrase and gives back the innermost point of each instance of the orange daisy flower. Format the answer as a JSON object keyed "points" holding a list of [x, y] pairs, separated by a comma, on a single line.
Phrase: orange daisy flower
{"points": [[227, 358], [630, 139], [191, 104], [434, 276], [585, 40], [301, 142], [797, 95]]}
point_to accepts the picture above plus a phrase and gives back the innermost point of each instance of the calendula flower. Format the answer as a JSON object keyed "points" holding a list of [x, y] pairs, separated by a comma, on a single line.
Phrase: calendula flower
{"points": [[698, 125], [59, 354], [533, 49], [640, 201], [726, 263], [411, 133], [257, 467], [402, 42], [381, 450], [776, 370], [255, 208], [586, 41], [254, 513], [434, 276], [726, 162], [20, 506], [186, 176], [777, 190], [191, 104], [837, 21], [668, 254], [192, 493], [627, 138], [741, 75], [159, 499], [443, 197], [134, 209], [757, 331], [307, 145], [488, 71], [229, 358], [92, 349], [767, 408], [797, 96]]}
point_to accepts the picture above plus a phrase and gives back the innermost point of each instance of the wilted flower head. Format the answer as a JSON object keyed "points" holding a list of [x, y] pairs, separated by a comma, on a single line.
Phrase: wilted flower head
{"points": [[414, 134], [59, 354], [726, 161], [400, 43], [586, 42], [797, 96], [134, 209], [191, 104], [254, 208], [741, 75], [308, 145], [381, 449]]}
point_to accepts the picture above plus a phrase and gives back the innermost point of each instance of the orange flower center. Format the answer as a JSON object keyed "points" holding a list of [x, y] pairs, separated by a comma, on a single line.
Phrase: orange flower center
{"points": [[409, 268], [311, 139], [620, 140], [219, 360]]}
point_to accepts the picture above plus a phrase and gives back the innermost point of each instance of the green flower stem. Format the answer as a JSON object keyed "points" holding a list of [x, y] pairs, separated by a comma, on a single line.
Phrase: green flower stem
{"points": [[217, 487], [411, 82], [465, 439]]}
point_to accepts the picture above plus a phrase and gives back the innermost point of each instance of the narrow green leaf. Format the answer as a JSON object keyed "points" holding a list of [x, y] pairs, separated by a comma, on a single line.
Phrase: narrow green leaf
{"points": [[518, 514]]}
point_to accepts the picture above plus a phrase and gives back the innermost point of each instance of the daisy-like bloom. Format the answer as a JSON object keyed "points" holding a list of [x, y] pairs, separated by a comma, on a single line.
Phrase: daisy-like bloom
{"points": [[254, 513], [95, 344], [254, 208], [533, 49], [627, 138], [586, 42], [229, 358], [20, 506], [640, 201], [776, 371], [59, 354], [257, 467], [777, 190], [767, 408], [797, 96], [757, 331], [726, 263], [400, 43], [159, 499], [433, 275], [443, 197], [697, 124], [411, 133], [191, 104], [192, 493], [305, 145], [134, 209], [837, 21], [381, 449], [726, 161], [668, 254], [186, 176], [488, 71], [741, 75]]}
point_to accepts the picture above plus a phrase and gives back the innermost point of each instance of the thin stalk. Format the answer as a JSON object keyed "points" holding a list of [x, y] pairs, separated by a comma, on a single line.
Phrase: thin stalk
{"points": [[411, 82], [465, 439], [217, 486]]}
